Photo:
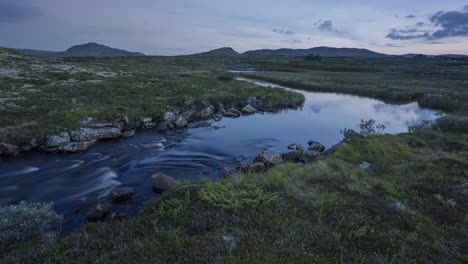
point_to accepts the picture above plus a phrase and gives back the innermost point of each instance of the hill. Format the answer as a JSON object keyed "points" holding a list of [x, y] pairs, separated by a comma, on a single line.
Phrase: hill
{"points": [[226, 51], [85, 50], [322, 51]]}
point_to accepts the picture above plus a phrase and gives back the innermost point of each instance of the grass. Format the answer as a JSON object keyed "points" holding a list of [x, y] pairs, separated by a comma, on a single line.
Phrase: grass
{"points": [[408, 209]]}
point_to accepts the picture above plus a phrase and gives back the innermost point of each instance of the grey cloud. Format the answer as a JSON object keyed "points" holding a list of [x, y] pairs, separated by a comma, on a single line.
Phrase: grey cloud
{"points": [[450, 24], [326, 25], [410, 16], [393, 45], [12, 11], [284, 32], [295, 41]]}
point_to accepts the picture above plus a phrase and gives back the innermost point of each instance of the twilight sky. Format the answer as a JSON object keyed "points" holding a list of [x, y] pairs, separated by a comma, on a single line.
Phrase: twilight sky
{"points": [[187, 26]]}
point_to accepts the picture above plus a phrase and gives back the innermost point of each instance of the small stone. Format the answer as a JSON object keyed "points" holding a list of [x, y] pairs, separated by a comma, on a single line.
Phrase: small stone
{"points": [[8, 149], [98, 213], [163, 183], [217, 117], [308, 156], [34, 144], [269, 158], [75, 147], [122, 194], [227, 173], [397, 206], [181, 122], [366, 165], [128, 134], [169, 117], [54, 141], [292, 156], [291, 146]]}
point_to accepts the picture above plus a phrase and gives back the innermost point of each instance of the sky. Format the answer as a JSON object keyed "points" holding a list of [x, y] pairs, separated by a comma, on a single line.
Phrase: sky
{"points": [[175, 27]]}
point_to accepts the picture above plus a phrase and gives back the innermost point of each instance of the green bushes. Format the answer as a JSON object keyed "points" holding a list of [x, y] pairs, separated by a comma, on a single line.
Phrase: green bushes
{"points": [[26, 221]]}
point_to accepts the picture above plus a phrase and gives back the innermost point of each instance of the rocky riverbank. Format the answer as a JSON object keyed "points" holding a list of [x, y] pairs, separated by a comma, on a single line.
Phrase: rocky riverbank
{"points": [[191, 115]]}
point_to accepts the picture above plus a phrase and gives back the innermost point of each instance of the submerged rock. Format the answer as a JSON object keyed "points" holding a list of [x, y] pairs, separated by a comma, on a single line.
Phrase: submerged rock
{"points": [[55, 141], [248, 109], [315, 146], [8, 149], [87, 134], [75, 147], [98, 213], [122, 194], [161, 182]]}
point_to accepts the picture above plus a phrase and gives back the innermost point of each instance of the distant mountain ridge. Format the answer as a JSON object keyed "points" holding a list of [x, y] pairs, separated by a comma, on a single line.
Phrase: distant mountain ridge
{"points": [[225, 51], [322, 51], [86, 50]]}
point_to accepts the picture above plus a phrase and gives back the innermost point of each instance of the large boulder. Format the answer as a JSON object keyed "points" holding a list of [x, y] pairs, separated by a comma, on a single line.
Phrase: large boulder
{"points": [[181, 122], [75, 147], [189, 114], [217, 117], [122, 194], [87, 134], [292, 156], [248, 109], [162, 182], [232, 112], [55, 141], [254, 102], [147, 122], [309, 155], [8, 150], [269, 158], [315, 146], [220, 108]]}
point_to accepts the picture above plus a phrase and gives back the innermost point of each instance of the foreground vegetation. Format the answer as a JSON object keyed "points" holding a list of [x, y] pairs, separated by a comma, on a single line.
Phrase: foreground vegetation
{"points": [[412, 207]]}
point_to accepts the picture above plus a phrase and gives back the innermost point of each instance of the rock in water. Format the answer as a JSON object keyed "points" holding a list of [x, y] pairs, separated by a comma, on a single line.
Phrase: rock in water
{"points": [[128, 134], [205, 112], [87, 134], [122, 194], [269, 158], [8, 150], [162, 183], [315, 146], [55, 141], [248, 109], [98, 213], [75, 147]]}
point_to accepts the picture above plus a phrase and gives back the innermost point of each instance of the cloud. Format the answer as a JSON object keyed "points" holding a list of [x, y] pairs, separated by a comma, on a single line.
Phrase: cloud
{"points": [[326, 25], [393, 45], [449, 24], [284, 32], [410, 16], [13, 12]]}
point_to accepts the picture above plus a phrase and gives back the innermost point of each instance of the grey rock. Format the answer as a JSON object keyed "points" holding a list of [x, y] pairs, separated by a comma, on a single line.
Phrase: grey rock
{"points": [[98, 213], [162, 183], [292, 146], [147, 122], [125, 121], [122, 194], [253, 101], [34, 143], [248, 109], [220, 108], [334, 148], [299, 147], [169, 117], [189, 114], [269, 158], [87, 134], [227, 173], [181, 122], [26, 148], [207, 104], [350, 134], [258, 166], [162, 126], [217, 117], [87, 120], [315, 146], [366, 165], [205, 112], [75, 147], [8, 149], [128, 134], [464, 188], [308, 155], [397, 206], [54, 141], [233, 112]]}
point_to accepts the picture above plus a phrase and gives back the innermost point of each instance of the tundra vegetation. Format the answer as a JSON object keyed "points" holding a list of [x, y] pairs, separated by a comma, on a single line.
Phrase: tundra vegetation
{"points": [[410, 206]]}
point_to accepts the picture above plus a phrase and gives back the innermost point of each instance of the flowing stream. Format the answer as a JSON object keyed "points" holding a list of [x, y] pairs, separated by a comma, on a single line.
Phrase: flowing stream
{"points": [[75, 182]]}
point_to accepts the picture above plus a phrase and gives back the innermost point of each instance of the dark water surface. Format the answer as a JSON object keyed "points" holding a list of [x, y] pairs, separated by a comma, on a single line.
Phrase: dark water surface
{"points": [[76, 181]]}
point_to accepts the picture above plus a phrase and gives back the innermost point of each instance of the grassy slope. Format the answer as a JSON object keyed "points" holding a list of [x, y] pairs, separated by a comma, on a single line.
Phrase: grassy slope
{"points": [[323, 212]]}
